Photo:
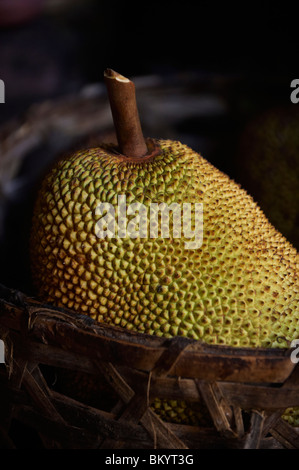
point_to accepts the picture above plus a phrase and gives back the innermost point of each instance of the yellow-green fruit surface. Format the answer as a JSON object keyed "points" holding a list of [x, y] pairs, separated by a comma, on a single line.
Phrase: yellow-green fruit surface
{"points": [[239, 288]]}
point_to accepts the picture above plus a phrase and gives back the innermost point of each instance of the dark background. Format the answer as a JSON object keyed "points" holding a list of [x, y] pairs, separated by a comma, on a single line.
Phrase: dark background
{"points": [[65, 44], [239, 56]]}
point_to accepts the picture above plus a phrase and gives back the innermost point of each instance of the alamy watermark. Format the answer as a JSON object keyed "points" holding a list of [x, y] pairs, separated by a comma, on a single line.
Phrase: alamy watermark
{"points": [[2, 352], [2, 91], [295, 93], [157, 220], [295, 353]]}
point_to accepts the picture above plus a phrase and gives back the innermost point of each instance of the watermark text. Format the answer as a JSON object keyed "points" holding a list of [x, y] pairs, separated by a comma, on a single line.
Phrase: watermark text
{"points": [[295, 93], [2, 91], [2, 352], [295, 353], [156, 220]]}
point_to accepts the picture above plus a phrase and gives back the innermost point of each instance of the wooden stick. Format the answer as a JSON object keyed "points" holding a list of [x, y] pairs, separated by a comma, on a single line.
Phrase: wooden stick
{"points": [[121, 92]]}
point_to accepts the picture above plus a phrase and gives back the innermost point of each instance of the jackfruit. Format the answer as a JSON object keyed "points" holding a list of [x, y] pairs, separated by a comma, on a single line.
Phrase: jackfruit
{"points": [[239, 288], [238, 285]]}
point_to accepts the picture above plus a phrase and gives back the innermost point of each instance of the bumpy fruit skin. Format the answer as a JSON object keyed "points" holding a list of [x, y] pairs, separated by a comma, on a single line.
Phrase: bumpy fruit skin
{"points": [[240, 288]]}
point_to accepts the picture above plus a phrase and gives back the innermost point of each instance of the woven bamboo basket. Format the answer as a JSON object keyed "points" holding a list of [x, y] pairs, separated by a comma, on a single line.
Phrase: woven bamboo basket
{"points": [[243, 390]]}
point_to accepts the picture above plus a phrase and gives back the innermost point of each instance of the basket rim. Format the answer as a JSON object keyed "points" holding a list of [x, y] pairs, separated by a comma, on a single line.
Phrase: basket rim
{"points": [[47, 326]]}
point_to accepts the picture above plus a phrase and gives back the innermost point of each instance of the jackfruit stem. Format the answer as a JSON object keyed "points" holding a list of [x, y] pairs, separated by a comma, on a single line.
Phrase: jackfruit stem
{"points": [[122, 97]]}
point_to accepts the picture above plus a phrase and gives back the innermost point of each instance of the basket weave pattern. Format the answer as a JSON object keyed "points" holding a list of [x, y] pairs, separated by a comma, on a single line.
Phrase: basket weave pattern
{"points": [[138, 368]]}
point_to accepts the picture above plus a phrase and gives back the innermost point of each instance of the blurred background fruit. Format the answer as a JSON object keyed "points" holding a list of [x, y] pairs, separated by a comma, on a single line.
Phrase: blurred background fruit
{"points": [[268, 167]]}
